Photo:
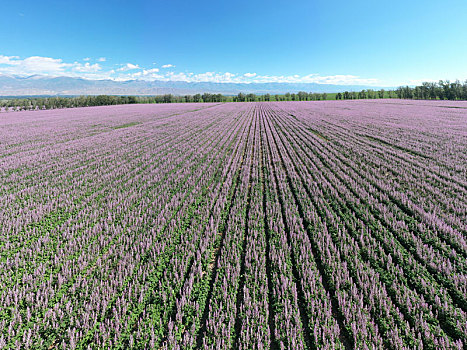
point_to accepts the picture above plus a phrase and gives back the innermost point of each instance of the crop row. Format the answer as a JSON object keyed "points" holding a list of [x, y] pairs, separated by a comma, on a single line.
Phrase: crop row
{"points": [[294, 225]]}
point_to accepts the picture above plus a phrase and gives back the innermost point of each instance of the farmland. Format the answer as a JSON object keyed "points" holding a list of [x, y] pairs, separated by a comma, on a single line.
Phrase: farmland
{"points": [[281, 225]]}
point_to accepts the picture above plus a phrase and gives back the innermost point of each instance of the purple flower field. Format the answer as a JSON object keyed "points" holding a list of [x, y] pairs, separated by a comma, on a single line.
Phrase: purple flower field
{"points": [[269, 225]]}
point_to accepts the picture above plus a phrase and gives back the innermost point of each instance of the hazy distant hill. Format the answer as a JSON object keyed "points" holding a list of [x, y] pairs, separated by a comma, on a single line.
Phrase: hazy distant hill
{"points": [[42, 85]]}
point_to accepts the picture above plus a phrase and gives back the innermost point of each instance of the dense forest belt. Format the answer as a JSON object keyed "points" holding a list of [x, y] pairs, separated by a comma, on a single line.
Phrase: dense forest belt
{"points": [[267, 225]]}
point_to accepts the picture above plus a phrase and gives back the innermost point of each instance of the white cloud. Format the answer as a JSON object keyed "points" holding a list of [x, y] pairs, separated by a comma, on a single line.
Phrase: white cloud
{"points": [[57, 67], [214, 77], [45, 64], [143, 74], [128, 66], [33, 65], [50, 67], [102, 59], [87, 68], [227, 77], [149, 71], [7, 59], [148, 74], [168, 66]]}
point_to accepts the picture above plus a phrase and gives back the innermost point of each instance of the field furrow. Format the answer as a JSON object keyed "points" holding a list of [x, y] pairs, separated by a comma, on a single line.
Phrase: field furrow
{"points": [[269, 225]]}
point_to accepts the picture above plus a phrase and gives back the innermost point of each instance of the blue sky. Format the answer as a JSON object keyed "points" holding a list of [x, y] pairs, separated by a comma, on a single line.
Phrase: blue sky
{"points": [[384, 43]]}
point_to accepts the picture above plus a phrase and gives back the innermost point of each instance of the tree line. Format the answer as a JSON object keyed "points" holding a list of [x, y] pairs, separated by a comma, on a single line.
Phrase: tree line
{"points": [[443, 90], [364, 94], [38, 103], [300, 96]]}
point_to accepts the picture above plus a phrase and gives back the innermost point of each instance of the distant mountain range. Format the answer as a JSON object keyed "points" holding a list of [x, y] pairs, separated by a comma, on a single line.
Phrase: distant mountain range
{"points": [[44, 85]]}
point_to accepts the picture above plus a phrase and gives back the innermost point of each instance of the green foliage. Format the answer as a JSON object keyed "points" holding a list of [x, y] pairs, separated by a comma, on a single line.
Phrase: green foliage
{"points": [[443, 90]]}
